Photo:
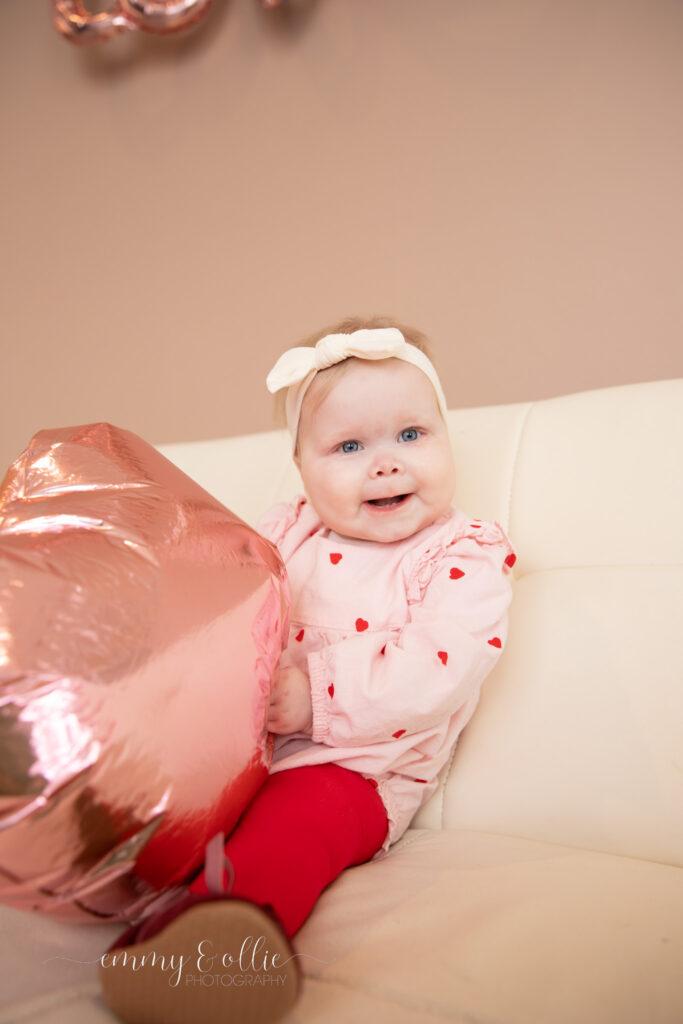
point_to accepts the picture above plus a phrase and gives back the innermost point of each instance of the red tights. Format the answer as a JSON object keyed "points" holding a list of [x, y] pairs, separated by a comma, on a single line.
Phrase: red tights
{"points": [[303, 827]]}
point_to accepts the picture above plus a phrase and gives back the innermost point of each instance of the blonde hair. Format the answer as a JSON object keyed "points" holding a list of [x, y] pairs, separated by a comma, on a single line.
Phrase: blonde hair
{"points": [[326, 379]]}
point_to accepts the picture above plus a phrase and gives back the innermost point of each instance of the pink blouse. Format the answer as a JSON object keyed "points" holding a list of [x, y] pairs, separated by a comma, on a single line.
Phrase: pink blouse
{"points": [[396, 640]]}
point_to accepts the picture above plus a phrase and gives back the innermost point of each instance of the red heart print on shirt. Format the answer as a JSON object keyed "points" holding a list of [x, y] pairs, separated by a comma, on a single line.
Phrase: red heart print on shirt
{"points": [[299, 636], [399, 732], [443, 655], [361, 624], [510, 560], [335, 557], [457, 574], [495, 641], [330, 689]]}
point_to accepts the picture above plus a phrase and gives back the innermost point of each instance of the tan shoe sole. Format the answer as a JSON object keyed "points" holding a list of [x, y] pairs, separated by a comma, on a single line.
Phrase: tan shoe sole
{"points": [[237, 966]]}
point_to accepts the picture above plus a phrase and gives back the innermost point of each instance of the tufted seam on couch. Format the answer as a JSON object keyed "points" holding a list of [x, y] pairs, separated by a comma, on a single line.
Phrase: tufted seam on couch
{"points": [[513, 471], [444, 783], [406, 840]]}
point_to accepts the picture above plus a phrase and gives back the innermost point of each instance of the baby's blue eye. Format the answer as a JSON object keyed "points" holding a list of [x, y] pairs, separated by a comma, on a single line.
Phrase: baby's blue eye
{"points": [[409, 435], [349, 446]]}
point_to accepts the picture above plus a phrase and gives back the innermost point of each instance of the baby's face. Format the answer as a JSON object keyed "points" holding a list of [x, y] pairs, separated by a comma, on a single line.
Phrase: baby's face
{"points": [[375, 457]]}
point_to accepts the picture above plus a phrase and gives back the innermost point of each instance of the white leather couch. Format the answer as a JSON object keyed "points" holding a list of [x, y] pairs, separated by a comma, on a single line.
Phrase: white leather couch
{"points": [[542, 882]]}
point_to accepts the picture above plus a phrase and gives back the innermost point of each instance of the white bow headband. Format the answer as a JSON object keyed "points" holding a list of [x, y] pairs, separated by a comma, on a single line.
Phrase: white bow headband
{"points": [[296, 368]]}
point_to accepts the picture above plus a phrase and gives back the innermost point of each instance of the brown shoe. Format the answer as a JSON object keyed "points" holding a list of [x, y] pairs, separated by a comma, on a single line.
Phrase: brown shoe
{"points": [[208, 960]]}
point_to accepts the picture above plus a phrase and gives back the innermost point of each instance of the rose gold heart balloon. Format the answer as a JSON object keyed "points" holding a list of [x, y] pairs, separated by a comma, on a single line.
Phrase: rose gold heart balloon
{"points": [[140, 626], [74, 21]]}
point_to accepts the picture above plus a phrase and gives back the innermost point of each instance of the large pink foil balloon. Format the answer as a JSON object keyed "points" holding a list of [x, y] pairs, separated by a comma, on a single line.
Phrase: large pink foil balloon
{"points": [[79, 25], [141, 624]]}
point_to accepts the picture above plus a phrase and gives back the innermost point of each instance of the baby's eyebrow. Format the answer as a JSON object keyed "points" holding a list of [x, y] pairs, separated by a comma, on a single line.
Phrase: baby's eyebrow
{"points": [[397, 423], [330, 441]]}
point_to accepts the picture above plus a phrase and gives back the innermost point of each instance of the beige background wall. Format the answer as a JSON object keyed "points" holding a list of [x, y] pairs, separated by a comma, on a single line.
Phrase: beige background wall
{"points": [[505, 175]]}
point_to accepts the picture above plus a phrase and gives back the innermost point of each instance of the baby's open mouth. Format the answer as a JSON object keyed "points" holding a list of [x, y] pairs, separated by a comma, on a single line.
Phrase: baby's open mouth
{"points": [[397, 499]]}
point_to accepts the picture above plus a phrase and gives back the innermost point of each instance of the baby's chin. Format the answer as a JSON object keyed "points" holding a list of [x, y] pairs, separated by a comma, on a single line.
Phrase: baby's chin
{"points": [[387, 527]]}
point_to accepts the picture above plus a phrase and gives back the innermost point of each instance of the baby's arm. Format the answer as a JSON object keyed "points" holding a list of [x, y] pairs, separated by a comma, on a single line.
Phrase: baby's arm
{"points": [[285, 525], [375, 687]]}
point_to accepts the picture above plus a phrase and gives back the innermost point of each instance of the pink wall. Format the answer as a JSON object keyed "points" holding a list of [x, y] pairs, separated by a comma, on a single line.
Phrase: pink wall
{"points": [[504, 175]]}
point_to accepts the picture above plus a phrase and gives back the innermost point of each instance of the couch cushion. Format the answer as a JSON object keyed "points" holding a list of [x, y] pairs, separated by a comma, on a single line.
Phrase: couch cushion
{"points": [[598, 479], [473, 927], [448, 926]]}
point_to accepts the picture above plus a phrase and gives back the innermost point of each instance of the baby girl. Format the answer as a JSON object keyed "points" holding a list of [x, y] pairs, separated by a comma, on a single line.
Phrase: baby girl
{"points": [[399, 612]]}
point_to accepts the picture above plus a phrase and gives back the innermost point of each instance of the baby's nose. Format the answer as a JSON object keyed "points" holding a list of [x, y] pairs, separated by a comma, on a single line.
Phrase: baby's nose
{"points": [[385, 465]]}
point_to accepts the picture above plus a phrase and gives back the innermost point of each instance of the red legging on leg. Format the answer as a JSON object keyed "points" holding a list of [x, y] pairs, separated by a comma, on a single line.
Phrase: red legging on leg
{"points": [[303, 827]]}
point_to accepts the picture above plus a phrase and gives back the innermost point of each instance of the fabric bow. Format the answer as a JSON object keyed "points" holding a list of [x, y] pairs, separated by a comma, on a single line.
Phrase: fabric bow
{"points": [[295, 364]]}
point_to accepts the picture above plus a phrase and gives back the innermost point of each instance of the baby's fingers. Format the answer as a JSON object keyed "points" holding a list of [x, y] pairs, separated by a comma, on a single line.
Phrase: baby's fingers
{"points": [[277, 724]]}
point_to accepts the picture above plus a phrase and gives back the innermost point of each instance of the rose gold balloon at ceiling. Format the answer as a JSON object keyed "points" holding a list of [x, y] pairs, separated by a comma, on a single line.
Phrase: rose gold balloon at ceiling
{"points": [[141, 623], [75, 22]]}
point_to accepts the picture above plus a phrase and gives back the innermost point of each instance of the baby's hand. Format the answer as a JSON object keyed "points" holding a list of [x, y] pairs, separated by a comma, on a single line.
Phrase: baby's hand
{"points": [[290, 702]]}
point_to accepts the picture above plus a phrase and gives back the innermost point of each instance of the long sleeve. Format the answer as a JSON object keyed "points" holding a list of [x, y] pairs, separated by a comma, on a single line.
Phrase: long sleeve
{"points": [[377, 686]]}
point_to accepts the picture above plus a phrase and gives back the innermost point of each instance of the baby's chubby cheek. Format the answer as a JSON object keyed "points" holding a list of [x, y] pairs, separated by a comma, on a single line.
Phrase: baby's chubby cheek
{"points": [[444, 471]]}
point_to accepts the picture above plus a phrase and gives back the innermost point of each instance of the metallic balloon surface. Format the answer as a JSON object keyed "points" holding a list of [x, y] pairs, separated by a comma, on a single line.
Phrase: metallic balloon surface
{"points": [[79, 25], [76, 23], [141, 623]]}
